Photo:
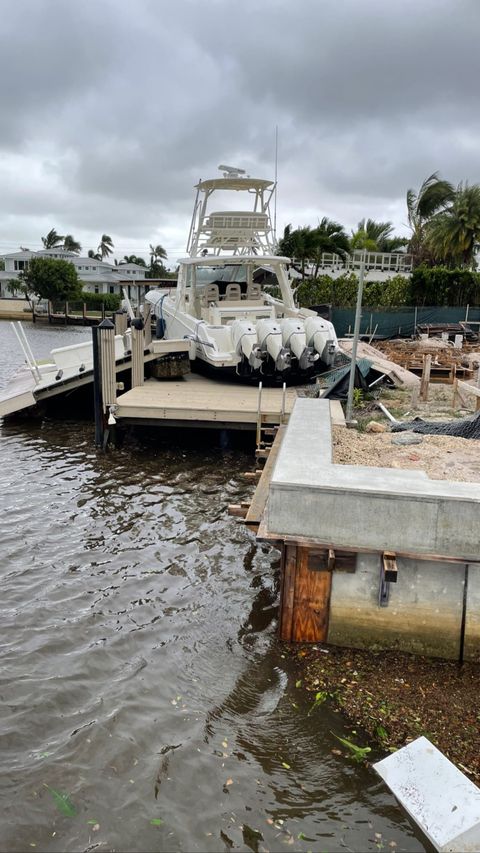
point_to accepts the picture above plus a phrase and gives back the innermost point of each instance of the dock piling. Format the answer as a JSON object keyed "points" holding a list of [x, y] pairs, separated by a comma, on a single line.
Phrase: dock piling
{"points": [[138, 345], [104, 377]]}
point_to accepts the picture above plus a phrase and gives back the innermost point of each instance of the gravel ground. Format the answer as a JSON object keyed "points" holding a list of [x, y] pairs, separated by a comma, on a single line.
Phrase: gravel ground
{"points": [[442, 457]]}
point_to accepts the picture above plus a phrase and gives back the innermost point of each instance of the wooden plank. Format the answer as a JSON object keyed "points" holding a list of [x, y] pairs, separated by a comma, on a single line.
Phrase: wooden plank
{"points": [[390, 568], [311, 602], [237, 510], [287, 596], [260, 495]]}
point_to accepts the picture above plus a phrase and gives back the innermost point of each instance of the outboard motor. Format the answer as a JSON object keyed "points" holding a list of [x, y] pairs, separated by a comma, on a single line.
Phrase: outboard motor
{"points": [[322, 337], [294, 337], [271, 341], [244, 337]]}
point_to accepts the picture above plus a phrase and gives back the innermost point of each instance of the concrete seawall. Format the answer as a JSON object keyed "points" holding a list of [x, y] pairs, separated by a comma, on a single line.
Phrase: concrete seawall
{"points": [[431, 526]]}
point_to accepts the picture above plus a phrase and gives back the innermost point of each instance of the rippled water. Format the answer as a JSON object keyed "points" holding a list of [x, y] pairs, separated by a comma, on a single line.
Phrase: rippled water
{"points": [[141, 674]]}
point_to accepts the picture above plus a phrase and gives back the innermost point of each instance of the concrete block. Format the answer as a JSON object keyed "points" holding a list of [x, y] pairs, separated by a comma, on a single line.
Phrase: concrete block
{"points": [[436, 795], [423, 616], [472, 617], [365, 507]]}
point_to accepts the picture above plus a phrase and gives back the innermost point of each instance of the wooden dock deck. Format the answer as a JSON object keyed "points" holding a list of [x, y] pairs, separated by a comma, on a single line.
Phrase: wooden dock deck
{"points": [[195, 400]]}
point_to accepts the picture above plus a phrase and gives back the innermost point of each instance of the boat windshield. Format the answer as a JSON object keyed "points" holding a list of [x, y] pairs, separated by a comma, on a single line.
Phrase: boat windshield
{"points": [[228, 273]]}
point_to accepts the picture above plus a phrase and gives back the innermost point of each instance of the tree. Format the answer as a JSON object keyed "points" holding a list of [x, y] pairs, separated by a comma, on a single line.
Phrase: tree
{"points": [[134, 259], [52, 239], [105, 247], [50, 278], [454, 233], [158, 253], [306, 245], [71, 245], [94, 255], [157, 268], [376, 237], [434, 195]]}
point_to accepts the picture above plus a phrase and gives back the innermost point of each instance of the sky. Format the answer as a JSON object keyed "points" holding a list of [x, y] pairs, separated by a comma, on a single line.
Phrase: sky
{"points": [[113, 109]]}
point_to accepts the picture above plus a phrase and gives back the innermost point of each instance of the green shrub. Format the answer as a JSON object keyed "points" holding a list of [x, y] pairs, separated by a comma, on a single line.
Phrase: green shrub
{"points": [[112, 301], [444, 286], [342, 292]]}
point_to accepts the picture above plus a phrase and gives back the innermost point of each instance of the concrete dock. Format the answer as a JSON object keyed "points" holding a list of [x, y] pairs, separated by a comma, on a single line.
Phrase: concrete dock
{"points": [[371, 557]]}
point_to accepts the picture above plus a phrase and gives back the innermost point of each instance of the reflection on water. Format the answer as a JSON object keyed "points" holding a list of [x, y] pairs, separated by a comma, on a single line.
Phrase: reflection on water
{"points": [[141, 676]]}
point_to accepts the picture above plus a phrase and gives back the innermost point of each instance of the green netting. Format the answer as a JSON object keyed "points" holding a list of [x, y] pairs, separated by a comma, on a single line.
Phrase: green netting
{"points": [[393, 322]]}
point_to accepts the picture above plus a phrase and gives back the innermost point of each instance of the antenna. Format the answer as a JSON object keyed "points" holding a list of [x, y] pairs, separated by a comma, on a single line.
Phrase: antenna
{"points": [[231, 171], [275, 199]]}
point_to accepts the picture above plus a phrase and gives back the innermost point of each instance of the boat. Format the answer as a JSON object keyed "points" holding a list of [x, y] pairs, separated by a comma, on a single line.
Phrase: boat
{"points": [[235, 322]]}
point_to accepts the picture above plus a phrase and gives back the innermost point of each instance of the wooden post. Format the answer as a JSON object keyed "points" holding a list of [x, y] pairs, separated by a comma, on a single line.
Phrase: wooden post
{"points": [[106, 332], [305, 594], [120, 319], [66, 312], [137, 353], [84, 312], [49, 311], [147, 310], [104, 377], [287, 600], [427, 365]]}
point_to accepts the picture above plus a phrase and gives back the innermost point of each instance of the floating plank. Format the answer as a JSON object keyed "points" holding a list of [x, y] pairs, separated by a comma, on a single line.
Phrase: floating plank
{"points": [[237, 510], [436, 795]]}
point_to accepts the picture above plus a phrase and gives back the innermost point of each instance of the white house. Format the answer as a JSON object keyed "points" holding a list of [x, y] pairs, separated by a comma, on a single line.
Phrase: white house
{"points": [[96, 276]]}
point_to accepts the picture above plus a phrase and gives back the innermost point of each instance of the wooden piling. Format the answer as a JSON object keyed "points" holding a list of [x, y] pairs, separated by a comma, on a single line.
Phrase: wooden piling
{"points": [[120, 319], [137, 353], [147, 322], [107, 362], [427, 365], [305, 595]]}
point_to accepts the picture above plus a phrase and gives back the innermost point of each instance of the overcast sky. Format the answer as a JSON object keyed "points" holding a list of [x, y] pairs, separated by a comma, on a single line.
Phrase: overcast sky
{"points": [[112, 109]]}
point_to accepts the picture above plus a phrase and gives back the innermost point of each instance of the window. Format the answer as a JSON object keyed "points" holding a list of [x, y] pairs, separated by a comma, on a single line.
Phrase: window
{"points": [[112, 288], [94, 268], [97, 290]]}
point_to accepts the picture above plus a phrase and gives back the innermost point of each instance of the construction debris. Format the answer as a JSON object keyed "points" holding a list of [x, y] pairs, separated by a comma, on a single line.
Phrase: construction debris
{"points": [[383, 365], [447, 362], [468, 427]]}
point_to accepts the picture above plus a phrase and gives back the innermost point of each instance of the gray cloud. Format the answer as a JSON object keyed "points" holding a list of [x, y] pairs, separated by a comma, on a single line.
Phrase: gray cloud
{"points": [[112, 110]]}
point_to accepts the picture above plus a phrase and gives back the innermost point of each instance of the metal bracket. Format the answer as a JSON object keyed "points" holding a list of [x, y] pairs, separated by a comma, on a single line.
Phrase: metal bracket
{"points": [[388, 575]]}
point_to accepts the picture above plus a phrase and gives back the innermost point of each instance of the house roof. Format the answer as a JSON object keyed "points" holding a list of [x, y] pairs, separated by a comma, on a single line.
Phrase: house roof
{"points": [[19, 256], [130, 266]]}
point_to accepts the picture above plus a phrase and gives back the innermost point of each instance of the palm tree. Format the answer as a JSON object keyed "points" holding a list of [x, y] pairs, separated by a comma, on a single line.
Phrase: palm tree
{"points": [[134, 259], [157, 253], [376, 237], [71, 245], [105, 247], [306, 245], [52, 239], [453, 234], [434, 195], [94, 255]]}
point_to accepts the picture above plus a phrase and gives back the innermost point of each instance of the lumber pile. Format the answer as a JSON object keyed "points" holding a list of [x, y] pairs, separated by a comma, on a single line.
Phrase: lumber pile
{"points": [[399, 375]]}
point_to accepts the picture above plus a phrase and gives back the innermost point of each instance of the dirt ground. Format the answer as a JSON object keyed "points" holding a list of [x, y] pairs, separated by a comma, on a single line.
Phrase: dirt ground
{"points": [[441, 457], [396, 697]]}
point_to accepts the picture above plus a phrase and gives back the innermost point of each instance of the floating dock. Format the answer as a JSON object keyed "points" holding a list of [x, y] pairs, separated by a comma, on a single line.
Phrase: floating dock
{"points": [[195, 400]]}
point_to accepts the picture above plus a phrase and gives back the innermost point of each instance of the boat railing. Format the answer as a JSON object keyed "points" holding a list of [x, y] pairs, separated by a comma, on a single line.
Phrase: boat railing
{"points": [[383, 261]]}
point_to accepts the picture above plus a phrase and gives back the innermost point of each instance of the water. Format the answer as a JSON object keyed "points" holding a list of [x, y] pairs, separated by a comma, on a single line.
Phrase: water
{"points": [[141, 675]]}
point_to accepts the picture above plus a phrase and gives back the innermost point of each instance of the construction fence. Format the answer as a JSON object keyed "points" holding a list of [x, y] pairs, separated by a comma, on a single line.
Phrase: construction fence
{"points": [[400, 322]]}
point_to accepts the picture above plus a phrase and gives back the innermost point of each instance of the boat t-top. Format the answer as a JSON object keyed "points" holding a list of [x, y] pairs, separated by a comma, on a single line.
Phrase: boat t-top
{"points": [[220, 304]]}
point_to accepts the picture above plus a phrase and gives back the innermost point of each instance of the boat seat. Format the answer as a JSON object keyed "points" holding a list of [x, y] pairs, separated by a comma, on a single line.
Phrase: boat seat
{"points": [[210, 294], [254, 291], [233, 292]]}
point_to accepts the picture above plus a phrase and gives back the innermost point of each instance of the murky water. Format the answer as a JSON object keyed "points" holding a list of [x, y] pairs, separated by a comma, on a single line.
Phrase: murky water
{"points": [[141, 677]]}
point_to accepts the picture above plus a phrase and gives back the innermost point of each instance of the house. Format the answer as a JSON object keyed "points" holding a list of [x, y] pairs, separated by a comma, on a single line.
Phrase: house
{"points": [[97, 276]]}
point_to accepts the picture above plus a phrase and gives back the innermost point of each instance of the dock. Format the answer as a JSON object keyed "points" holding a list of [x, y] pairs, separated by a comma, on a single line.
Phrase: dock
{"points": [[195, 400]]}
